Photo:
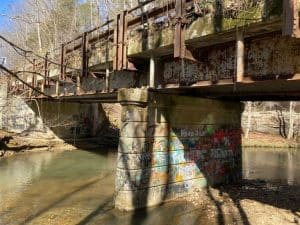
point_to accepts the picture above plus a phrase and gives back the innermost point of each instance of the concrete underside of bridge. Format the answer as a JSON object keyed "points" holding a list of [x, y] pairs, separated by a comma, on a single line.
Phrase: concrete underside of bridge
{"points": [[170, 145]]}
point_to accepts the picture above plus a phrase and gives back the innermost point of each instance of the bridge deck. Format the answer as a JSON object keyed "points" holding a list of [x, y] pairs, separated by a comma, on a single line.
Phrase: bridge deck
{"points": [[172, 48]]}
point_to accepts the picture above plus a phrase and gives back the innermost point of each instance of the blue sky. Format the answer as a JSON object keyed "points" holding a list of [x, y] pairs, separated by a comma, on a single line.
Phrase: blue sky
{"points": [[5, 9]]}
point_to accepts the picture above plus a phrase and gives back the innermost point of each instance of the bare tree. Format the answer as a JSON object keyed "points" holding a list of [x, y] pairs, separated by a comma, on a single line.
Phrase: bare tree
{"points": [[291, 120], [249, 119]]}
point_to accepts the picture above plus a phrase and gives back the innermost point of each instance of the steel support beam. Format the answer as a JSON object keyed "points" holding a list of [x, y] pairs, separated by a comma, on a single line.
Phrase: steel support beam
{"points": [[85, 65], [120, 61], [152, 72], [46, 71], [62, 62], [240, 56], [291, 18], [180, 48]]}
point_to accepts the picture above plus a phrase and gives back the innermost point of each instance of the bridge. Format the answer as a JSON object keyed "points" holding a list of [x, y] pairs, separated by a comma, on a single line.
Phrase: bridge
{"points": [[180, 70]]}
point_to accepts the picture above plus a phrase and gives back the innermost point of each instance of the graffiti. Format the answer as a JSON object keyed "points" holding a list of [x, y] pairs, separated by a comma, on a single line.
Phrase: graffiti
{"points": [[205, 151], [191, 132], [83, 123]]}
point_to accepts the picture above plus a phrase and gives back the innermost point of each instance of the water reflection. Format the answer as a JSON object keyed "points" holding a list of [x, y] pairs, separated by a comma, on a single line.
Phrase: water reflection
{"points": [[18, 172], [276, 165], [78, 188]]}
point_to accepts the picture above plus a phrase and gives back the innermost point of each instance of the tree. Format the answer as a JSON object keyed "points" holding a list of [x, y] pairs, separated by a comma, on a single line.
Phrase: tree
{"points": [[291, 120], [249, 119]]}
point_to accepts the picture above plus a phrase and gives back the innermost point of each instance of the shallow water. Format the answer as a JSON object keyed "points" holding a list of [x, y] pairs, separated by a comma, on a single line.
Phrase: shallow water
{"points": [[275, 165], [77, 188]]}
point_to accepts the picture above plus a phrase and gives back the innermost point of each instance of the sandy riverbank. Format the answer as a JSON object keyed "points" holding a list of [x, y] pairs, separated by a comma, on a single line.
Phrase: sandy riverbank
{"points": [[250, 202], [11, 144], [268, 141]]}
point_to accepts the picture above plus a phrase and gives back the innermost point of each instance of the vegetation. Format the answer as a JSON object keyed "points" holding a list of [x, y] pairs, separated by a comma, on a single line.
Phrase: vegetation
{"points": [[42, 25]]}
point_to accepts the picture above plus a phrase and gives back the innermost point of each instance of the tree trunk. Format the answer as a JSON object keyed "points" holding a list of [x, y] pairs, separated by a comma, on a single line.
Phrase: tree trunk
{"points": [[39, 36], [291, 121], [91, 11], [249, 119]]}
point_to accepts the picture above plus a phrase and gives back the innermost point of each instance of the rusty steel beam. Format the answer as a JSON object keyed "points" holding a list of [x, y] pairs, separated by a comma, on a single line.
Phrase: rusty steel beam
{"points": [[84, 72], [62, 62], [120, 37], [291, 18], [180, 49], [46, 71], [120, 60]]}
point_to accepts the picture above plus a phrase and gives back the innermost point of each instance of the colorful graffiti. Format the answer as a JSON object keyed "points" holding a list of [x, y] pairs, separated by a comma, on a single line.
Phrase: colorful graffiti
{"points": [[189, 155]]}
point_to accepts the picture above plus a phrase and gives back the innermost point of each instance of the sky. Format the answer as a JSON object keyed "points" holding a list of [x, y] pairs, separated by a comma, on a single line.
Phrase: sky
{"points": [[5, 9]]}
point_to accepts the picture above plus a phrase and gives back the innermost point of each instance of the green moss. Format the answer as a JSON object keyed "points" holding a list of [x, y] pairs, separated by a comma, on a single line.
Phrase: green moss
{"points": [[252, 15], [201, 27], [206, 25]]}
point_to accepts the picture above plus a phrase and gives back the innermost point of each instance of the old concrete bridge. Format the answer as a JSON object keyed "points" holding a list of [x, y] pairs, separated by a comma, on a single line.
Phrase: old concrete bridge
{"points": [[179, 71]]}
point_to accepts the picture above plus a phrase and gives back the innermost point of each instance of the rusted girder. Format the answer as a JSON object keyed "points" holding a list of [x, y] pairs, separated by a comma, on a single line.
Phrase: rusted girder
{"points": [[120, 61], [62, 62], [180, 48], [46, 71], [291, 18], [85, 62]]}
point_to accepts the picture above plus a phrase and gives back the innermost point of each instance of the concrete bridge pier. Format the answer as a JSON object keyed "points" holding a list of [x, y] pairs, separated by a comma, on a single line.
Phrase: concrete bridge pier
{"points": [[170, 145]]}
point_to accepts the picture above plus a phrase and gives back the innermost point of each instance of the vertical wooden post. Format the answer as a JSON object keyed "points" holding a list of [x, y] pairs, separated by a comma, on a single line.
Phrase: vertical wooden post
{"points": [[152, 72], [240, 55]]}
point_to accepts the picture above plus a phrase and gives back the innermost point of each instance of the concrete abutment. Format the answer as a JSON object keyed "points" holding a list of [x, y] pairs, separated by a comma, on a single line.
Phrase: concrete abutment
{"points": [[170, 145]]}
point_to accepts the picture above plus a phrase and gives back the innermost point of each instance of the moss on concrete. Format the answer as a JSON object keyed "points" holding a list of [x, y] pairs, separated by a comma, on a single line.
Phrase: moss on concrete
{"points": [[210, 23]]}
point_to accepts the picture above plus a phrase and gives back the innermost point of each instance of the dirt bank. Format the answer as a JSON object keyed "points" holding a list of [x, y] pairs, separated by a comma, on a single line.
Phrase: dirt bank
{"points": [[251, 202], [257, 139], [11, 144]]}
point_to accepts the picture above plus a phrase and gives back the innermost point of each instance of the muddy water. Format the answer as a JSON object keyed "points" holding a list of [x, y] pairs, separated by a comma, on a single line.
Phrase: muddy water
{"points": [[77, 188]]}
